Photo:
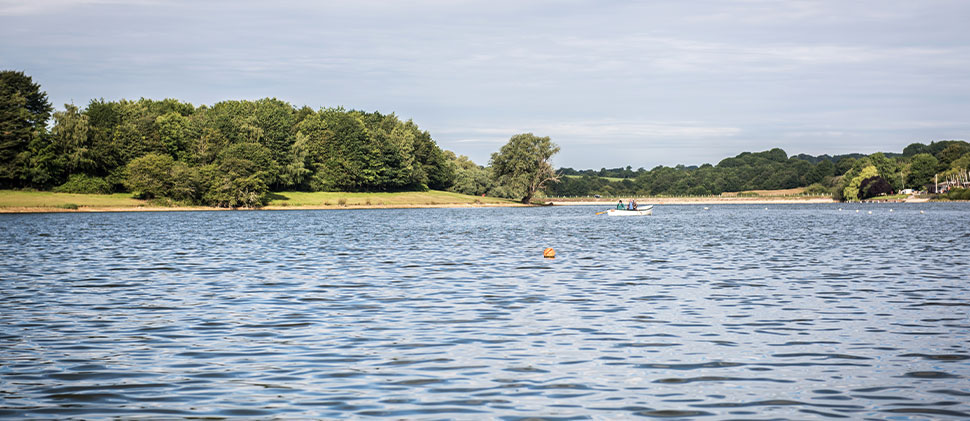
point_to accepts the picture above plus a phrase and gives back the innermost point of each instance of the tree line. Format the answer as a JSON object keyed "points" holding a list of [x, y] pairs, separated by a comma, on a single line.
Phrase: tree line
{"points": [[234, 153], [229, 154], [845, 177]]}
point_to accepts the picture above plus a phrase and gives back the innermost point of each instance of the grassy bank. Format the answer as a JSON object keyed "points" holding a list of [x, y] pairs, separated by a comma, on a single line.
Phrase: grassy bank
{"points": [[14, 201], [431, 198]]}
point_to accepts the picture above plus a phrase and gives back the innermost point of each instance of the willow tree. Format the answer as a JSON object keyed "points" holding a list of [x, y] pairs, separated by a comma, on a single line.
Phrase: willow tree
{"points": [[852, 192], [523, 164]]}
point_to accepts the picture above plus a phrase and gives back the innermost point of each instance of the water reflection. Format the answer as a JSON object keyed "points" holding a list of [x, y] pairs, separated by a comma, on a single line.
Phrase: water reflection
{"points": [[798, 311]]}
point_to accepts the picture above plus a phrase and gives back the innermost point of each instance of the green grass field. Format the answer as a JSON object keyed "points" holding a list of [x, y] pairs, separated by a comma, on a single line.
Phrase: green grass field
{"points": [[46, 199], [16, 200], [428, 198]]}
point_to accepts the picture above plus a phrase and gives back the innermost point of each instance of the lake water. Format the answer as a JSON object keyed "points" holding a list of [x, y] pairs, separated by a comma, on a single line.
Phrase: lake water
{"points": [[794, 311]]}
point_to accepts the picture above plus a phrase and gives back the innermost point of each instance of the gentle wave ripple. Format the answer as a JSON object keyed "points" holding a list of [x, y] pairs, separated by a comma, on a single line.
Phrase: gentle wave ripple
{"points": [[794, 311]]}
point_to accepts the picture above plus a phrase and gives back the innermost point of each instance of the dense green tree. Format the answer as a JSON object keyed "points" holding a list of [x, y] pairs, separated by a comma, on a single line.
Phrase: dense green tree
{"points": [[874, 186], [844, 165], [820, 172], [342, 154], [296, 171], [264, 144], [395, 143], [275, 120], [70, 135], [889, 170], [922, 169], [523, 165], [84, 184], [232, 183], [152, 176], [207, 146], [961, 164], [435, 167], [137, 133], [173, 131], [103, 118], [951, 153], [470, 178], [24, 112], [851, 191], [263, 165], [915, 148]]}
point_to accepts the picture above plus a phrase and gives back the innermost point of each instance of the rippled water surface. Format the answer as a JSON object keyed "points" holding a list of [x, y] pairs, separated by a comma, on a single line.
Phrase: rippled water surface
{"points": [[794, 311]]}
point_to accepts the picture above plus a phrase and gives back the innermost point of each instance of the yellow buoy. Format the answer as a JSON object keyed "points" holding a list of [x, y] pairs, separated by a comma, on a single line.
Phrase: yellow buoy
{"points": [[549, 253]]}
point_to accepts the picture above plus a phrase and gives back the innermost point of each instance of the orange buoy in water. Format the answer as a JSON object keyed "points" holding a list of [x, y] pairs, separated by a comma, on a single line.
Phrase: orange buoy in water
{"points": [[549, 253]]}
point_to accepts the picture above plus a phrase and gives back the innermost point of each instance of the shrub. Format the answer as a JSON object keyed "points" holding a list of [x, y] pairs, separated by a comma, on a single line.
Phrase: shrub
{"points": [[817, 189], [71, 206], [342, 201], [698, 191], [150, 175], [84, 184], [957, 193], [233, 184], [155, 176]]}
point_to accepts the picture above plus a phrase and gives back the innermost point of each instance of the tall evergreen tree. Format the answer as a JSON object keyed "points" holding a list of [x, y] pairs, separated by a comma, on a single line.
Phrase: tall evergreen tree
{"points": [[24, 112]]}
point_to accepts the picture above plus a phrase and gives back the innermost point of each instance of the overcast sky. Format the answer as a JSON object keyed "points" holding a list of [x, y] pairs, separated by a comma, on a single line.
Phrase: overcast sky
{"points": [[614, 83]]}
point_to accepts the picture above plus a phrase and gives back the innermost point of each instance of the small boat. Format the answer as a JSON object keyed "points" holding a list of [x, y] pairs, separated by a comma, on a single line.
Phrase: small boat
{"points": [[643, 210]]}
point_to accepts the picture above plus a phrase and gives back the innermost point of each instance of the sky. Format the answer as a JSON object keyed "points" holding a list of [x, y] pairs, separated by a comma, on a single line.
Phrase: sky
{"points": [[613, 83]]}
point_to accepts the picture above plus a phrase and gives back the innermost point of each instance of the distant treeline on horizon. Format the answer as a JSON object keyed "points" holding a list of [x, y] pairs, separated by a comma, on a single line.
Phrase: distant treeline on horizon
{"points": [[234, 153], [846, 177]]}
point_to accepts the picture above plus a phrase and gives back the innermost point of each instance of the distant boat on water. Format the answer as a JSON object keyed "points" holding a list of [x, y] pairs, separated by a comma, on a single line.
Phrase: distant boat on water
{"points": [[646, 210]]}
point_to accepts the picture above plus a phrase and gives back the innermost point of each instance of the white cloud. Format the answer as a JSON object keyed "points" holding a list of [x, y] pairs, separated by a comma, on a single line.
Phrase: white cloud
{"points": [[739, 74], [39, 7], [597, 131]]}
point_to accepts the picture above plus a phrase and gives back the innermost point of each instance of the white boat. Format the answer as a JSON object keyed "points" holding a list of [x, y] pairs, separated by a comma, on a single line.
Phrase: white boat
{"points": [[643, 210]]}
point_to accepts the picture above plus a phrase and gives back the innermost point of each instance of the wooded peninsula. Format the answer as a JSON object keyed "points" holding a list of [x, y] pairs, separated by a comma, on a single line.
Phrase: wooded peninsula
{"points": [[240, 153]]}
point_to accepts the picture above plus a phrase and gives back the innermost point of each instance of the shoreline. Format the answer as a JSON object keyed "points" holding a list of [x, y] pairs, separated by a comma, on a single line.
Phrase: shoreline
{"points": [[115, 209], [732, 200]]}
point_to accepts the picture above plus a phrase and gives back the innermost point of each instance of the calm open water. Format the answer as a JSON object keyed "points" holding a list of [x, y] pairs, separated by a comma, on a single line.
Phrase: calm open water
{"points": [[794, 311]]}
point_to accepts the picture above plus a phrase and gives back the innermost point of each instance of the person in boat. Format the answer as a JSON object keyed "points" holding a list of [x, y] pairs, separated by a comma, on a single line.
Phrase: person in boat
{"points": [[633, 204], [619, 205]]}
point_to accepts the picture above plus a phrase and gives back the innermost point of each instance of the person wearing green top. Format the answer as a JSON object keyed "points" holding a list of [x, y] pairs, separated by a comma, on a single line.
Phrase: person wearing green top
{"points": [[619, 205]]}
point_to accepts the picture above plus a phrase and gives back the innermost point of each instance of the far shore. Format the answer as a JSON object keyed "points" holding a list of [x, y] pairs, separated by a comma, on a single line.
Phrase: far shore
{"points": [[697, 201], [722, 200]]}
